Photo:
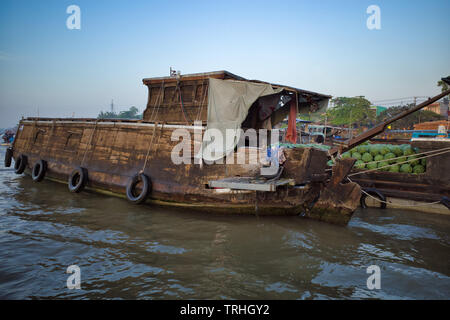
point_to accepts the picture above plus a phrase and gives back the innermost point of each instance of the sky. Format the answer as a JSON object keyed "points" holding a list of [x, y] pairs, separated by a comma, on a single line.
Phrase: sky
{"points": [[325, 46]]}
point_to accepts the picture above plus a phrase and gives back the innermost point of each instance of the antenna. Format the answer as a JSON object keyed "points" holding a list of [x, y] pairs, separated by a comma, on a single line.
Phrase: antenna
{"points": [[112, 106], [175, 73]]}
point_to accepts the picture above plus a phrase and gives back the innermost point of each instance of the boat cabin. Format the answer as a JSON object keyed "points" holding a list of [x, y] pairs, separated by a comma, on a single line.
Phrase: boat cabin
{"points": [[183, 99]]}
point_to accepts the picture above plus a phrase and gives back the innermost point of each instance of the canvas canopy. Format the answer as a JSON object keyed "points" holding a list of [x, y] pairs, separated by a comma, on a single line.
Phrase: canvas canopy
{"points": [[228, 105]]}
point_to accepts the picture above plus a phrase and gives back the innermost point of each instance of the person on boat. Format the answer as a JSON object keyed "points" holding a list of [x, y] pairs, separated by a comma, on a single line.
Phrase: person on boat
{"points": [[8, 136]]}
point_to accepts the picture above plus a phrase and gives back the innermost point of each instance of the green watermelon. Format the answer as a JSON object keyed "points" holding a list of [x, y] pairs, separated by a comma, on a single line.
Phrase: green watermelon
{"points": [[406, 168], [378, 157], [408, 151], [367, 157], [384, 150], [374, 150], [394, 168], [346, 155], [356, 155], [418, 169], [413, 160], [372, 165], [397, 151], [383, 164], [388, 156], [401, 159], [359, 164], [363, 149]]}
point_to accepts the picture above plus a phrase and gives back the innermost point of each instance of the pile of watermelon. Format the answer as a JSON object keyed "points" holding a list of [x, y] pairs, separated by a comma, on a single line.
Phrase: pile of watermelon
{"points": [[384, 155]]}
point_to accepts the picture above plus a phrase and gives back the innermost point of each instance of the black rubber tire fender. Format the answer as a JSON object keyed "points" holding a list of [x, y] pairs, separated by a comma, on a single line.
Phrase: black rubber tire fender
{"points": [[131, 188], [39, 170], [375, 193], [8, 157], [20, 163], [77, 180]]}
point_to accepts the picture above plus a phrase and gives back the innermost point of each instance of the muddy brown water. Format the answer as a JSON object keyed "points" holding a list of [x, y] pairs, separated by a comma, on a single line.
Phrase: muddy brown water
{"points": [[144, 252]]}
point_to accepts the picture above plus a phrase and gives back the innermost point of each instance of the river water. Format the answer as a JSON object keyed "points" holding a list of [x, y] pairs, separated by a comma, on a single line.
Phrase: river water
{"points": [[142, 252]]}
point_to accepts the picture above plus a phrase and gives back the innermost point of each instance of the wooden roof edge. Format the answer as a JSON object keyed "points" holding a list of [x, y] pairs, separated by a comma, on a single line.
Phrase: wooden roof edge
{"points": [[200, 75], [206, 75]]}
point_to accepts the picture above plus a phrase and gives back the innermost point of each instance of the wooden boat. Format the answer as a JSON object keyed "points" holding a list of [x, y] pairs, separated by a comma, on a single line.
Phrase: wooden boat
{"points": [[132, 158], [428, 191]]}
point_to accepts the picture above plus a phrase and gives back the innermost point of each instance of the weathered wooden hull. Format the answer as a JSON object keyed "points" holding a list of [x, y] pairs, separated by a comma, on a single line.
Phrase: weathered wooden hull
{"points": [[113, 152]]}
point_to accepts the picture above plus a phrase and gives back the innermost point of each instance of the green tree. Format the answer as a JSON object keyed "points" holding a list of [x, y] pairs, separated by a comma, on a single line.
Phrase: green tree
{"points": [[409, 121], [107, 115], [131, 113], [350, 111], [443, 85]]}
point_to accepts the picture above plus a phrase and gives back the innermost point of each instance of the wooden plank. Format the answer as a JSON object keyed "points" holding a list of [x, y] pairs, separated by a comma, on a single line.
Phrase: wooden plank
{"points": [[250, 184], [411, 195]]}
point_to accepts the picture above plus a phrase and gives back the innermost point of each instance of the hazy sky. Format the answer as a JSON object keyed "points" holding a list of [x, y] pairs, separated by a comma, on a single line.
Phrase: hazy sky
{"points": [[321, 46]]}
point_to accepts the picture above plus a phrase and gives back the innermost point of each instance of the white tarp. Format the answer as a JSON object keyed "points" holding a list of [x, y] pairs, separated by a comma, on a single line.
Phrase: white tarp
{"points": [[228, 105]]}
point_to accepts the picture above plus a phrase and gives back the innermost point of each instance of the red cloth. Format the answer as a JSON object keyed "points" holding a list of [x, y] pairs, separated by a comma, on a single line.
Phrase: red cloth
{"points": [[291, 135]]}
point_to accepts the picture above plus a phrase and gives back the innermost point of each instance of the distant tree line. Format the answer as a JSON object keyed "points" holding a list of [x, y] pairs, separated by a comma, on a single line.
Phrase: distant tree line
{"points": [[132, 113], [356, 112], [409, 121], [351, 111]]}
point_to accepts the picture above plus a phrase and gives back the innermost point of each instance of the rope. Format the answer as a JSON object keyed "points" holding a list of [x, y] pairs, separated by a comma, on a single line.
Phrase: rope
{"points": [[153, 117], [160, 134], [149, 147], [185, 116], [389, 202], [390, 165], [159, 102], [89, 144], [202, 101]]}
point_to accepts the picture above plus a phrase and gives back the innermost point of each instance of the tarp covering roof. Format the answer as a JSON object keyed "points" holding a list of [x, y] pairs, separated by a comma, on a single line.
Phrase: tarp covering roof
{"points": [[228, 105]]}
